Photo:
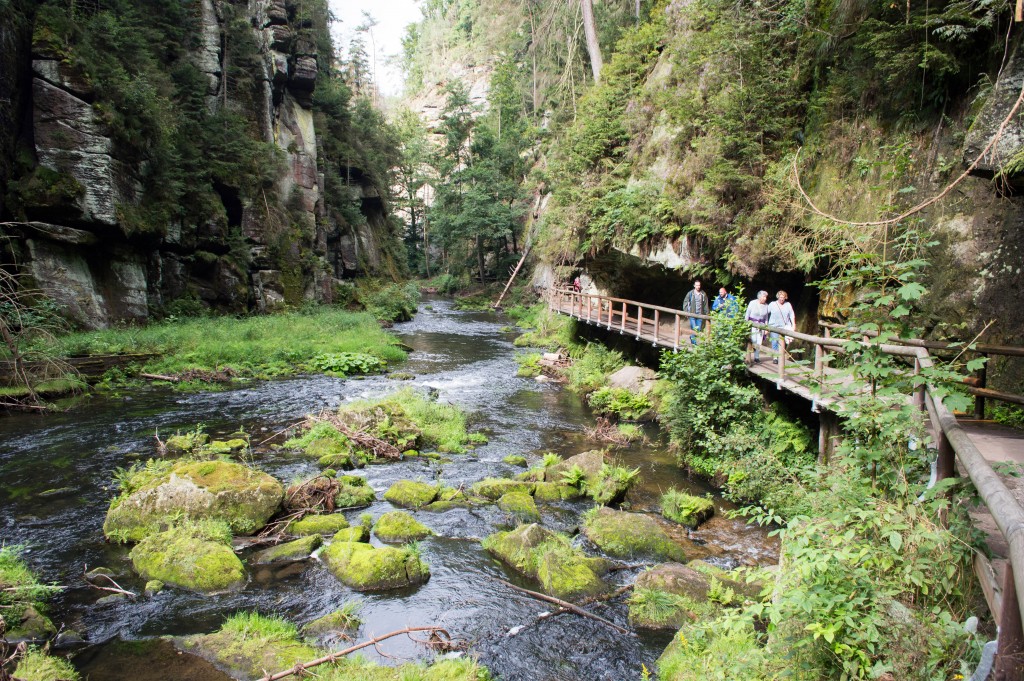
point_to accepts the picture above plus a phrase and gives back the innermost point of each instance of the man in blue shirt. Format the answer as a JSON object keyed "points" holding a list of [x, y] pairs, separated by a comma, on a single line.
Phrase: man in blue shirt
{"points": [[725, 303]]}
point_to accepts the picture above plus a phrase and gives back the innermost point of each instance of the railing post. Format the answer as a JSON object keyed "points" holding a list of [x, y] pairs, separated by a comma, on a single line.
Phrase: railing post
{"points": [[818, 364], [782, 358], [945, 465], [918, 390], [656, 321], [639, 321], [625, 314], [589, 306], [676, 346], [979, 400], [1010, 653]]}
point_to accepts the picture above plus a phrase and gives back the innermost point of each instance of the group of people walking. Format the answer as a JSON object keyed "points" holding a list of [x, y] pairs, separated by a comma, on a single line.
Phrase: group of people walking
{"points": [[778, 313]]}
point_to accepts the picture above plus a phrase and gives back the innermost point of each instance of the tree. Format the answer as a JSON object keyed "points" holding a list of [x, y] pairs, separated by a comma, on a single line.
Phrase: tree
{"points": [[593, 46], [412, 175]]}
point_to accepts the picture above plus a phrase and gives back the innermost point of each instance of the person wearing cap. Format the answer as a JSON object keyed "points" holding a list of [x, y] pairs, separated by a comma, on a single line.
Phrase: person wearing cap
{"points": [[757, 311]]}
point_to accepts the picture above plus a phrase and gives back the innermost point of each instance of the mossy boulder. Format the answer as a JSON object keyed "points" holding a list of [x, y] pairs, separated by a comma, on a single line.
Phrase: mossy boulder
{"points": [[555, 491], [187, 443], [197, 490], [516, 460], [31, 625], [336, 622], [589, 462], [675, 578], [289, 551], [670, 595], [220, 447], [563, 571], [521, 505], [733, 580], [495, 488], [367, 568], [411, 493], [354, 533], [354, 493], [686, 509], [325, 525], [250, 645], [398, 527], [628, 535], [189, 559]]}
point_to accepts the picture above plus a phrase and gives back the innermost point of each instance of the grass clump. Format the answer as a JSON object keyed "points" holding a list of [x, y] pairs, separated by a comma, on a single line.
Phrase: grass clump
{"points": [[258, 346], [529, 365], [35, 665], [388, 302], [19, 587], [686, 509], [441, 426]]}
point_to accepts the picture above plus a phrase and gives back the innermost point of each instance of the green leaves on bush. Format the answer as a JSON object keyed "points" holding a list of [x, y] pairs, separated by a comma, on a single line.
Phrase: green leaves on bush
{"points": [[620, 403], [346, 364]]}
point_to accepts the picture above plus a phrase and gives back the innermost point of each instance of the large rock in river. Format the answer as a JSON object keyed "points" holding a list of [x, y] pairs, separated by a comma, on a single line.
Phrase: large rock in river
{"points": [[628, 535], [366, 568], [562, 570], [188, 559], [197, 490]]}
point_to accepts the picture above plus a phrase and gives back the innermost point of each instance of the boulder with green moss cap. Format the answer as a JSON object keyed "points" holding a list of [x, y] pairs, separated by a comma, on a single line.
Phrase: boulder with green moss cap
{"points": [[555, 491], [336, 622], [589, 463], [248, 645], [516, 460], [411, 493], [197, 490], [367, 568], [354, 533], [354, 493], [30, 625], [325, 525], [495, 488], [686, 509], [628, 535], [226, 446], [35, 665], [300, 549], [190, 557], [398, 527], [520, 505], [186, 443], [550, 558]]}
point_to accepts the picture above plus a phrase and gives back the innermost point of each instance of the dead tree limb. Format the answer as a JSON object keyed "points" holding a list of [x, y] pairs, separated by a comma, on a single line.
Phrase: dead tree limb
{"points": [[334, 657], [566, 605]]}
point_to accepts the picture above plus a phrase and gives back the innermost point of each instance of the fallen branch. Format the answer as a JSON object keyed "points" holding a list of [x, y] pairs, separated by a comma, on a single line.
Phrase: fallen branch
{"points": [[334, 657], [600, 600], [565, 605], [117, 588], [160, 377]]}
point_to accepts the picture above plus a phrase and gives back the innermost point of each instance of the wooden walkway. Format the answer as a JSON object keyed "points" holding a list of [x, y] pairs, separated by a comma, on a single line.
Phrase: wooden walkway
{"points": [[990, 454]]}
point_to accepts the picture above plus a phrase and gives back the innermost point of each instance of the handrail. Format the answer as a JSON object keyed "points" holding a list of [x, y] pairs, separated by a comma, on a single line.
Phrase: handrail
{"points": [[1007, 513], [983, 348]]}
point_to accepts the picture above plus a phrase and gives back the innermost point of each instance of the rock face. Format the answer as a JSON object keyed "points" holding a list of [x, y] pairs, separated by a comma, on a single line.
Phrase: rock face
{"points": [[203, 490], [986, 124], [106, 256]]}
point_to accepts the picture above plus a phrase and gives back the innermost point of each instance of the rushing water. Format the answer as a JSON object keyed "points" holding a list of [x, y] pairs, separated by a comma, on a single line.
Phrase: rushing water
{"points": [[56, 473]]}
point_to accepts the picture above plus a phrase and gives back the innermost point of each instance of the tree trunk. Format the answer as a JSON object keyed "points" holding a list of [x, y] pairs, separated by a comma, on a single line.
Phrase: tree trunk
{"points": [[590, 28], [480, 255], [426, 245]]}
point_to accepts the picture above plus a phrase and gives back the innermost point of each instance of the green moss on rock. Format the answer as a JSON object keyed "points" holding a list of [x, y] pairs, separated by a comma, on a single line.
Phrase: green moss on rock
{"points": [[197, 490], [658, 609], [317, 524], [550, 558], [555, 491], [686, 509], [187, 443], [300, 549], [249, 645], [354, 533], [366, 568], [190, 557], [338, 621], [515, 460], [411, 493], [495, 488], [521, 505], [35, 665], [220, 447], [398, 527], [354, 493], [22, 598], [628, 535]]}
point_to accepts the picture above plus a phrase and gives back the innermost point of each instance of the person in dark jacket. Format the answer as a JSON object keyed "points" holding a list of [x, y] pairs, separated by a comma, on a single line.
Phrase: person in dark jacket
{"points": [[696, 302]]}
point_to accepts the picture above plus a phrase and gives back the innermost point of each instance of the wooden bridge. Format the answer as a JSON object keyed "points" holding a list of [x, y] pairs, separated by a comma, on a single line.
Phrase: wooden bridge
{"points": [[961, 445]]}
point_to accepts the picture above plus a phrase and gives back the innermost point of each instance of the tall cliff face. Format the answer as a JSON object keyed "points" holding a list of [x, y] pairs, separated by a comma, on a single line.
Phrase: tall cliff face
{"points": [[168, 158]]}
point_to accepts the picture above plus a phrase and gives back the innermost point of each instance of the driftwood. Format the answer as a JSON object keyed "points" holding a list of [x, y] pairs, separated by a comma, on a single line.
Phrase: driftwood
{"points": [[600, 600], [606, 431], [117, 588], [381, 449], [566, 605], [160, 377], [298, 669]]}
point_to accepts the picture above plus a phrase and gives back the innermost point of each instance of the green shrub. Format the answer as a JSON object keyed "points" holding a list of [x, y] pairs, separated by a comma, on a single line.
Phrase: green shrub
{"points": [[620, 403], [529, 364], [390, 302], [346, 363]]}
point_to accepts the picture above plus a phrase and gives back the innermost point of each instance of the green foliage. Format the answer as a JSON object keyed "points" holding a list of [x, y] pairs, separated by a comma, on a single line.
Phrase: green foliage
{"points": [[346, 363], [685, 508], [529, 364], [591, 366], [575, 477], [36, 665], [262, 346], [1008, 415], [19, 587], [139, 475], [389, 302], [619, 402]]}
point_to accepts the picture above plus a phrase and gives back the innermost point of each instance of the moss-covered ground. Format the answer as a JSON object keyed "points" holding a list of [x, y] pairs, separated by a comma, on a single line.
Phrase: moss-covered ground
{"points": [[326, 340]]}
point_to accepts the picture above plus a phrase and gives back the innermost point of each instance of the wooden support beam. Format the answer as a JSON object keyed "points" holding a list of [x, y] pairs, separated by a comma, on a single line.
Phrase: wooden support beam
{"points": [[1010, 653]]}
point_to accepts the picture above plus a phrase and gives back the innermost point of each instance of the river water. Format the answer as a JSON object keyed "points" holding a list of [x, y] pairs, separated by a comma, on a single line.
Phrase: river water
{"points": [[56, 473]]}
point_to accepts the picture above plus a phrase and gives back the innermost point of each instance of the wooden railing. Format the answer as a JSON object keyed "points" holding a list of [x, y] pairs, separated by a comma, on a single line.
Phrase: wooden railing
{"points": [[952, 442]]}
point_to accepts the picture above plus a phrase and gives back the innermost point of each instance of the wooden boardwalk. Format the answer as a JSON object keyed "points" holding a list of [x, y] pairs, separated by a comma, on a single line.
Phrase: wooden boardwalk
{"points": [[991, 455]]}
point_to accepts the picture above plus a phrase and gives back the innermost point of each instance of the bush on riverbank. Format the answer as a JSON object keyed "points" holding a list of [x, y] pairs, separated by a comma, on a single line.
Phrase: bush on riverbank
{"points": [[260, 347], [22, 597]]}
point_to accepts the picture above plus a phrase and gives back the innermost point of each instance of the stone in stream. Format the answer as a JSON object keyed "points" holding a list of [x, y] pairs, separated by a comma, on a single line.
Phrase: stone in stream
{"points": [[36, 665], [563, 571], [317, 525], [555, 491], [629, 535], [187, 443], [367, 568], [300, 549], [398, 527], [337, 622], [686, 509], [196, 490], [354, 493], [411, 493], [516, 460], [190, 557], [521, 505], [31, 625], [354, 533], [495, 488]]}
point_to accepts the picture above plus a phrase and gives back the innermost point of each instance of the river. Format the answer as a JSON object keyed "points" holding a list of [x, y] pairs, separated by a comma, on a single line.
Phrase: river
{"points": [[57, 473]]}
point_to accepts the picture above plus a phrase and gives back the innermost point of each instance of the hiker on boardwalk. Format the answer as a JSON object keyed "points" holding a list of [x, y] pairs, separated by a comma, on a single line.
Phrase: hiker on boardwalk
{"points": [[725, 303], [757, 311], [695, 302], [780, 314]]}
